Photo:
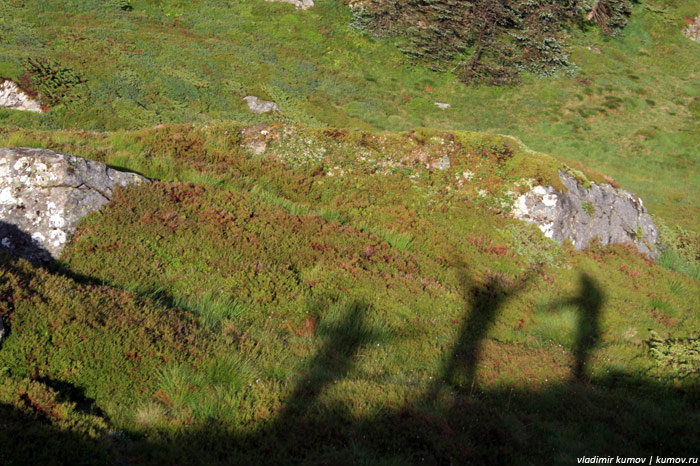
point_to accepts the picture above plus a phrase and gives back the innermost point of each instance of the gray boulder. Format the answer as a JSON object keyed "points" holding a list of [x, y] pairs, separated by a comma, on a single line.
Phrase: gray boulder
{"points": [[43, 196], [258, 105], [11, 96], [581, 215], [300, 4]]}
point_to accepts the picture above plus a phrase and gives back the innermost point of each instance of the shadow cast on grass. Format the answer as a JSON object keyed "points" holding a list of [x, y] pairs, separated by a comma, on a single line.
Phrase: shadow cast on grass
{"points": [[455, 421]]}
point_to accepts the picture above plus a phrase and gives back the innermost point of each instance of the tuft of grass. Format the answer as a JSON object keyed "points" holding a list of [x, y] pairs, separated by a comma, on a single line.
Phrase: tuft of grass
{"points": [[557, 326], [402, 241], [212, 308]]}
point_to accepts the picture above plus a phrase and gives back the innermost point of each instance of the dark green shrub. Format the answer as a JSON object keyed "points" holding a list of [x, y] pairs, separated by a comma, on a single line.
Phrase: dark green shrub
{"points": [[488, 41], [55, 83]]}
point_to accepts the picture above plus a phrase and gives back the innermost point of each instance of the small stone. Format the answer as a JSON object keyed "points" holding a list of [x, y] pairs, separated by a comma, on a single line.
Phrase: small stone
{"points": [[692, 30], [258, 105], [442, 105], [441, 164], [300, 4]]}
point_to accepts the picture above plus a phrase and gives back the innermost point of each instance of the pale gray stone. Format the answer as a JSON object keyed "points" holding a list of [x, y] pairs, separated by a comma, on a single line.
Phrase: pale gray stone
{"points": [[11, 96], [442, 105], [441, 164], [44, 194], [300, 4], [601, 212], [258, 105]]}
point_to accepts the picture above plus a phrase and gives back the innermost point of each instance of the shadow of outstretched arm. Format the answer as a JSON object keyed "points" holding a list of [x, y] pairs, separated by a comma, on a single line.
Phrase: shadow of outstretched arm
{"points": [[484, 302]]}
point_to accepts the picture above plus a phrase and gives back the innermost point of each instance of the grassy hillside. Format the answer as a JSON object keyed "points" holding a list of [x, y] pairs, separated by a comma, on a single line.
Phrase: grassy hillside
{"points": [[630, 111], [332, 300], [306, 287]]}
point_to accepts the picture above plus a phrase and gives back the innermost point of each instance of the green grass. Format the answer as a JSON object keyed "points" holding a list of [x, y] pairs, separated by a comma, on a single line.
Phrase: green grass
{"points": [[630, 111], [260, 326], [332, 301]]}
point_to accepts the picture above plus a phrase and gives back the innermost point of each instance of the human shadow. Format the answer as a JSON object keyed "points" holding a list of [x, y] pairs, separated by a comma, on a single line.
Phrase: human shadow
{"points": [[483, 303], [454, 420], [588, 301]]}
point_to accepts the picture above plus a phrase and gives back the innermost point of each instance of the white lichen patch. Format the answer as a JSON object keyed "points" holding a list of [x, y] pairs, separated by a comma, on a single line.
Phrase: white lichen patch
{"points": [[11, 96]]}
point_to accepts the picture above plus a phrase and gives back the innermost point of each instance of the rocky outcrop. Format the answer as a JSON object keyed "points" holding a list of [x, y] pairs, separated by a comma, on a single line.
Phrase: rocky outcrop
{"points": [[256, 138], [258, 105], [43, 196], [692, 29], [11, 96], [300, 4], [584, 214]]}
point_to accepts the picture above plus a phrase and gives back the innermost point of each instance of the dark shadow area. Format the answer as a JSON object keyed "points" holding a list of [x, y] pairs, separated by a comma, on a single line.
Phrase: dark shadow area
{"points": [[72, 393], [28, 439], [454, 421], [18, 243], [483, 303]]}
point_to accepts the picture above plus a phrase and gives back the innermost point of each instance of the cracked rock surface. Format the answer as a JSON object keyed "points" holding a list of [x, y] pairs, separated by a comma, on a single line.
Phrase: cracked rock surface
{"points": [[582, 215], [43, 196]]}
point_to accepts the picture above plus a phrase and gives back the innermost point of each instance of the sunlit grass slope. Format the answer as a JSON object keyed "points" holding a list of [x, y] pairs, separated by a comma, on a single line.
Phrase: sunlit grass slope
{"points": [[631, 111], [333, 301]]}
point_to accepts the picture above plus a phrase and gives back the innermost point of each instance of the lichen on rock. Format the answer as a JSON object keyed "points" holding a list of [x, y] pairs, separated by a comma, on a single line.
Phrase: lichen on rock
{"points": [[11, 96], [584, 214], [43, 196]]}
